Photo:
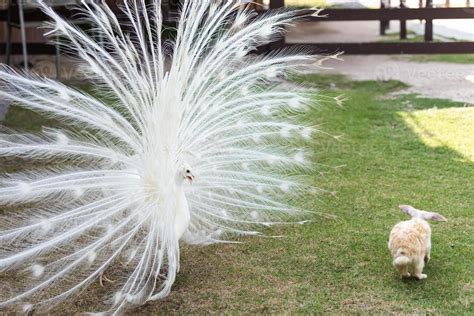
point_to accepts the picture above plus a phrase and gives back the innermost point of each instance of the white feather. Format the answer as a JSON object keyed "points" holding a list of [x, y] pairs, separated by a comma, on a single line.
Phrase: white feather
{"points": [[91, 256], [37, 270], [266, 110], [23, 188], [78, 192], [299, 157], [267, 31], [46, 225], [285, 187], [285, 131], [306, 132], [27, 308], [295, 103]]}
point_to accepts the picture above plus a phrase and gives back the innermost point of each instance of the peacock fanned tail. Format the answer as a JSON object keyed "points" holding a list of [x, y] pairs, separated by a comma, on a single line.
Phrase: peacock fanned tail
{"points": [[107, 196]]}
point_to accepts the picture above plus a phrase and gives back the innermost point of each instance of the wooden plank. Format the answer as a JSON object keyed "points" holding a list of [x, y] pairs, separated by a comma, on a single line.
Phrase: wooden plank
{"points": [[332, 14], [36, 15], [33, 15], [391, 48], [33, 49], [394, 14], [347, 48]]}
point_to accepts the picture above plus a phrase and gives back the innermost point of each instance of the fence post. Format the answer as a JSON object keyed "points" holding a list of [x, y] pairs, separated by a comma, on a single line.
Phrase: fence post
{"points": [[8, 50], [277, 4], [403, 23], [403, 29], [429, 24], [383, 23]]}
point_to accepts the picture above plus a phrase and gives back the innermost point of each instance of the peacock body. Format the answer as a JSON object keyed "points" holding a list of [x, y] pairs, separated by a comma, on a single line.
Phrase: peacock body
{"points": [[190, 139]]}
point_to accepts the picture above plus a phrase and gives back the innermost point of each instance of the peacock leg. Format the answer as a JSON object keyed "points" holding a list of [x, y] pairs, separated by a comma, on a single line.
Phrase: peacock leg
{"points": [[102, 278]]}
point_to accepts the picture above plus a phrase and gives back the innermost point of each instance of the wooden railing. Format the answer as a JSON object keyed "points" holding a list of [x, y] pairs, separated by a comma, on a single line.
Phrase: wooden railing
{"points": [[401, 14]]}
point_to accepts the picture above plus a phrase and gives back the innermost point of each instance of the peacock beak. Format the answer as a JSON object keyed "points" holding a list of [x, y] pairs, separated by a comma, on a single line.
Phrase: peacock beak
{"points": [[190, 178]]}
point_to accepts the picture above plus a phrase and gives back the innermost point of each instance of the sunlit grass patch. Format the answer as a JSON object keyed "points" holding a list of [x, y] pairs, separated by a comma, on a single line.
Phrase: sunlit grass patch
{"points": [[305, 3], [451, 127]]}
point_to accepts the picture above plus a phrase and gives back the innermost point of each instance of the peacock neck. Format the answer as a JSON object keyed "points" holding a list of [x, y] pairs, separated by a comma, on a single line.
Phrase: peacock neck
{"points": [[182, 216]]}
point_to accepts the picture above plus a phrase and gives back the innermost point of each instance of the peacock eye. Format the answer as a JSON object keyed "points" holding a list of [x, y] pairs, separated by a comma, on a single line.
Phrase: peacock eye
{"points": [[188, 171]]}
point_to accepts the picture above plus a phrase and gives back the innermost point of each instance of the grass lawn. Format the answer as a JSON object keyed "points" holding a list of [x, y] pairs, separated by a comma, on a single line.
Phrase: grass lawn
{"points": [[449, 58], [395, 37], [391, 151]]}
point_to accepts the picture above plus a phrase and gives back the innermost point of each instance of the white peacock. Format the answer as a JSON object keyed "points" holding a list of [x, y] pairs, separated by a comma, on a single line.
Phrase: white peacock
{"points": [[189, 139]]}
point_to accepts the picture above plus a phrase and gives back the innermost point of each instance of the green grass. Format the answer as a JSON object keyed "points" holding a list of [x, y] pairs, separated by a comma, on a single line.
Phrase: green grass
{"points": [[412, 36], [24, 120], [389, 153], [395, 37], [343, 265], [448, 58], [450, 128], [304, 4]]}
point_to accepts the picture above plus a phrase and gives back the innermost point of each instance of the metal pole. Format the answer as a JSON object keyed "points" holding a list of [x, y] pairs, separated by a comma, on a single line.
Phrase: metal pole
{"points": [[23, 35]]}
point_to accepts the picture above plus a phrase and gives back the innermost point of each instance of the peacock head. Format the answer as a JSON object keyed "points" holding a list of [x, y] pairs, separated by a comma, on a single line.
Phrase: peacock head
{"points": [[187, 173]]}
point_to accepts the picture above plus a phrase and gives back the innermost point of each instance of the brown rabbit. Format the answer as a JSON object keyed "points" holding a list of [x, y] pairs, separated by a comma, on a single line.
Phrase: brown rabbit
{"points": [[410, 242]]}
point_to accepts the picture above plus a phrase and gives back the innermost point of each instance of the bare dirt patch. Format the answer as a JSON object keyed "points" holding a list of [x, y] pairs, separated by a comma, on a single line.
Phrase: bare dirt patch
{"points": [[432, 80]]}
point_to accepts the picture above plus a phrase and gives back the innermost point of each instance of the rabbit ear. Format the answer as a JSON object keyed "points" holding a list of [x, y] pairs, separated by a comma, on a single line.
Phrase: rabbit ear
{"points": [[410, 210], [413, 212], [434, 217]]}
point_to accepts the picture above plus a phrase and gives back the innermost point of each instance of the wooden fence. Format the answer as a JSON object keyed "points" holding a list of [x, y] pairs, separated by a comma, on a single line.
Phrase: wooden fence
{"points": [[401, 14], [37, 43], [386, 14]]}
